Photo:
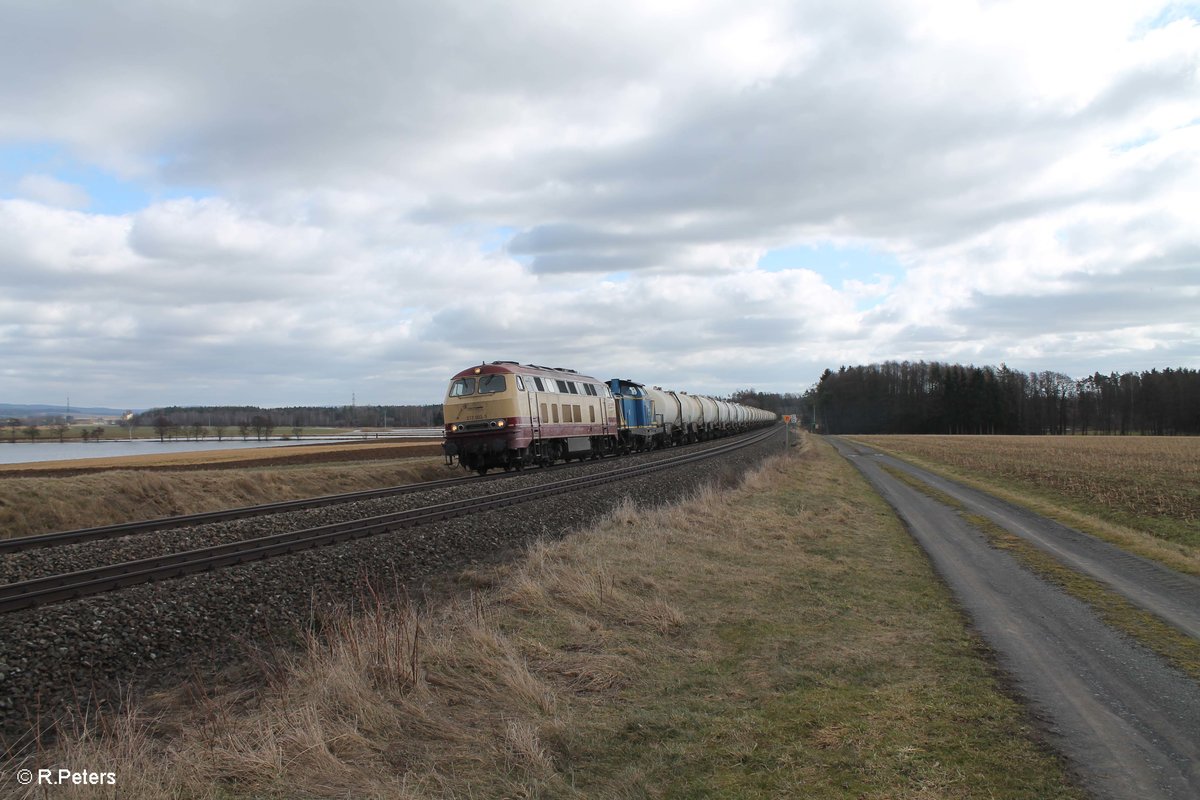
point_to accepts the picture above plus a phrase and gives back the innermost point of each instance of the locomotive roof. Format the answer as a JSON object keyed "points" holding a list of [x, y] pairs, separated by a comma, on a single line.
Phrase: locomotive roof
{"points": [[514, 367]]}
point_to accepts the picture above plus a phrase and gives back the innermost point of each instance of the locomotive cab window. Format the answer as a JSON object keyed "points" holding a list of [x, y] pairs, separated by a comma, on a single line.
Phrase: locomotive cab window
{"points": [[462, 387], [491, 384]]}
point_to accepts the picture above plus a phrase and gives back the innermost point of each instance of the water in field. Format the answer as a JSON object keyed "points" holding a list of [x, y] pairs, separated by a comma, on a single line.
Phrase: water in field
{"points": [[22, 452]]}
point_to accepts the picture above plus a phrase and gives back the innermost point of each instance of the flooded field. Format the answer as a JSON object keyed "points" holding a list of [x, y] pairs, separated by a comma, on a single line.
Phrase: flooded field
{"points": [[41, 452]]}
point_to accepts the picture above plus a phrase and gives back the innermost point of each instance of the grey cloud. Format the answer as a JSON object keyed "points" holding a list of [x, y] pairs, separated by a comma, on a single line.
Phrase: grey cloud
{"points": [[1090, 303]]}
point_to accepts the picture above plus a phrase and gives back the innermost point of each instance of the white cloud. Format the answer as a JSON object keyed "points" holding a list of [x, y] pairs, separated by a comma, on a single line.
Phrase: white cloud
{"points": [[51, 191]]}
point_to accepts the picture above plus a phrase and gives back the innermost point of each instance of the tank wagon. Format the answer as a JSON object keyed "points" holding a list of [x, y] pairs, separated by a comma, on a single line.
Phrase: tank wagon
{"points": [[510, 415], [650, 416]]}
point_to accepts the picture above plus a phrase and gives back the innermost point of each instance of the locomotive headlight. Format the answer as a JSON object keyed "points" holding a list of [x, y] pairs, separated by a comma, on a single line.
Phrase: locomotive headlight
{"points": [[499, 423], [453, 428]]}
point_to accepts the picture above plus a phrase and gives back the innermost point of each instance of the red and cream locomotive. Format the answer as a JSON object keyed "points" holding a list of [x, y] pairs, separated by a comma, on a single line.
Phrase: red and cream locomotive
{"points": [[510, 415]]}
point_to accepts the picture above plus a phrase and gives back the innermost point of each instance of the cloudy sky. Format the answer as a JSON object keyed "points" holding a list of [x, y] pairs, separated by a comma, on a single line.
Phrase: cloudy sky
{"points": [[287, 202]]}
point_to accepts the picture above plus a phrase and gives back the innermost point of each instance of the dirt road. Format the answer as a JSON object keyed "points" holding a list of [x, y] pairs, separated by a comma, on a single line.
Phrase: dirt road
{"points": [[1128, 722]]}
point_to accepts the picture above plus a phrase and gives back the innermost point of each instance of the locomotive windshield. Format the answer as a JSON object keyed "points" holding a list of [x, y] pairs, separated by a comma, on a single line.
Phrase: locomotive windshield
{"points": [[490, 384], [462, 387]]}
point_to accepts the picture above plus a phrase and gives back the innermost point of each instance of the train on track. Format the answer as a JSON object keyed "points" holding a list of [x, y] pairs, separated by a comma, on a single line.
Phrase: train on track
{"points": [[510, 415]]}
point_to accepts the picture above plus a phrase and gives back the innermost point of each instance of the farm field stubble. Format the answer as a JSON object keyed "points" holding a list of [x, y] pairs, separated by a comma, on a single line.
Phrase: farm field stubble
{"points": [[1149, 486]]}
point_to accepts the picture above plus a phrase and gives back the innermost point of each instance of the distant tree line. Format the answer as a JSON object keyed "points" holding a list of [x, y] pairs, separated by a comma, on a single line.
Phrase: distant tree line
{"points": [[31, 429], [223, 420], [921, 397], [781, 404]]}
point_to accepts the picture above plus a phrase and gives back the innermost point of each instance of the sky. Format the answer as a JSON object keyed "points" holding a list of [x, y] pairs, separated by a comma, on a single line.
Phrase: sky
{"points": [[292, 202]]}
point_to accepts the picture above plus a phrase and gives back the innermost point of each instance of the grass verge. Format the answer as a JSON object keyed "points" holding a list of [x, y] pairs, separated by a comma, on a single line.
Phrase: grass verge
{"points": [[1176, 647], [785, 638], [31, 505]]}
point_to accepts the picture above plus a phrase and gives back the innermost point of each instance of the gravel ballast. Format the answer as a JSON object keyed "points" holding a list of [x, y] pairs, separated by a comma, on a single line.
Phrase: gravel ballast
{"points": [[78, 654]]}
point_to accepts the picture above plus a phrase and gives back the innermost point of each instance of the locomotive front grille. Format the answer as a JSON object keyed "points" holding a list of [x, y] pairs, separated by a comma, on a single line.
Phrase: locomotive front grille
{"points": [[475, 427]]}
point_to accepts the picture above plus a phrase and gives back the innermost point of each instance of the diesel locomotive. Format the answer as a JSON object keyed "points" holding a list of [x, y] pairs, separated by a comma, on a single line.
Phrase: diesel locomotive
{"points": [[510, 415]]}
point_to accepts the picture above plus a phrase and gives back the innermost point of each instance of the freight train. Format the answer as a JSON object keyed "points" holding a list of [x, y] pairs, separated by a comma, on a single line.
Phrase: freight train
{"points": [[510, 415]]}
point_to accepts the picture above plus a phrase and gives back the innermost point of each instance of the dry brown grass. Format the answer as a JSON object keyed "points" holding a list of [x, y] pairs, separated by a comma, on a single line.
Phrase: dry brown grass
{"points": [[30, 505], [1149, 483], [782, 639]]}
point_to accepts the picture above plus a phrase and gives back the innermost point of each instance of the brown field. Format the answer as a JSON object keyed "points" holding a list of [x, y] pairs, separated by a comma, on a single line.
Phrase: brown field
{"points": [[63, 495], [1148, 483], [785, 638]]}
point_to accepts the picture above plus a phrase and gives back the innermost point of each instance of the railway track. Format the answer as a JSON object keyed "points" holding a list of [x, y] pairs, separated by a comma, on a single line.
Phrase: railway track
{"points": [[56, 588], [118, 530]]}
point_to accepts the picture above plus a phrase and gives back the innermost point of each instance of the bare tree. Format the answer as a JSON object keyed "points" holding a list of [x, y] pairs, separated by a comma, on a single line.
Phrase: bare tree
{"points": [[162, 426], [98, 432], [13, 424], [32, 431], [263, 426], [60, 428]]}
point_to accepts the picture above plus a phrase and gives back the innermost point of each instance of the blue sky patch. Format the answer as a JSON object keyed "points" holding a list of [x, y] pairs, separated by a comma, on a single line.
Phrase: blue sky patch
{"points": [[835, 264], [108, 194], [1171, 13], [838, 264], [494, 240]]}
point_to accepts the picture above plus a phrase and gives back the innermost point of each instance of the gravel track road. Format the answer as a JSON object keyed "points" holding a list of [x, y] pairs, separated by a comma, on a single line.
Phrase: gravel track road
{"points": [[1128, 723]]}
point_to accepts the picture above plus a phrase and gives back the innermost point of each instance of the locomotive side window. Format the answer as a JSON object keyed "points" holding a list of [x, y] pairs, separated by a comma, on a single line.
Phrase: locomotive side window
{"points": [[491, 384], [554, 408], [607, 391], [462, 387], [572, 387], [538, 383], [578, 414], [520, 384], [544, 414], [562, 386]]}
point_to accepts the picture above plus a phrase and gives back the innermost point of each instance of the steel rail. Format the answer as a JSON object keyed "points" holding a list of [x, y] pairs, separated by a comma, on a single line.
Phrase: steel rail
{"points": [[56, 588]]}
